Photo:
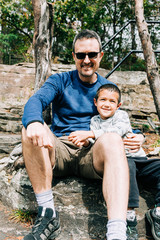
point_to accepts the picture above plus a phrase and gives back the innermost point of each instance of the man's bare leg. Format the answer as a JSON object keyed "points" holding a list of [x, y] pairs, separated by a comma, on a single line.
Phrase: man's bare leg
{"points": [[38, 163], [110, 161]]}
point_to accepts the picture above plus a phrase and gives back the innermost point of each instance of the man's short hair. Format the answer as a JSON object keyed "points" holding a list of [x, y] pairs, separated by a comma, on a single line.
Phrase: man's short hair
{"points": [[111, 87], [87, 34]]}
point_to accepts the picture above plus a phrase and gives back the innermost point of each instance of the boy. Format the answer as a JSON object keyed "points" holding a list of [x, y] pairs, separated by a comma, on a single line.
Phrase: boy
{"points": [[112, 119]]}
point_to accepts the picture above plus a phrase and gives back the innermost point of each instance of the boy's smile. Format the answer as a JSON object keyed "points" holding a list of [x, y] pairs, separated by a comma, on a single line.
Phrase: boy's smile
{"points": [[107, 103]]}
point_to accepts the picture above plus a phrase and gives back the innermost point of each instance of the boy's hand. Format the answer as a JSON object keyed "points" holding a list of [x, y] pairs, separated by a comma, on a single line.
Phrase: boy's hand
{"points": [[80, 138]]}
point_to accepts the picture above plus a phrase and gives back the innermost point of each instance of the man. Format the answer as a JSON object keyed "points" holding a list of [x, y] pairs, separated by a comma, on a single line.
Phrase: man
{"points": [[48, 152]]}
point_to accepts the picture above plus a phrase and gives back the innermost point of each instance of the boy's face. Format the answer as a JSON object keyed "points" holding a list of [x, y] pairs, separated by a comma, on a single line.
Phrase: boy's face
{"points": [[107, 103]]}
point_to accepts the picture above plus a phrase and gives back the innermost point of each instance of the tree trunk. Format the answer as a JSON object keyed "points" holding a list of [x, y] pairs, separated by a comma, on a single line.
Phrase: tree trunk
{"points": [[149, 56], [134, 46], [42, 40], [114, 31], [133, 27], [3, 31]]}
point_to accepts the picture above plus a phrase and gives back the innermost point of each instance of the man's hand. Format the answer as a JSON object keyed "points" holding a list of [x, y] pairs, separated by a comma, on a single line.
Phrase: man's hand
{"points": [[80, 138], [133, 142], [38, 135]]}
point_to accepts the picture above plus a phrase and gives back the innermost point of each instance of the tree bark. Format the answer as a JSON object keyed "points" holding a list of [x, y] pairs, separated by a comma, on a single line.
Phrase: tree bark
{"points": [[42, 40], [149, 56]]}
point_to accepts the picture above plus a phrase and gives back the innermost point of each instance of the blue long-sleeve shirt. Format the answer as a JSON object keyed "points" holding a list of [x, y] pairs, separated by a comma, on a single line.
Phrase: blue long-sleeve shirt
{"points": [[72, 102]]}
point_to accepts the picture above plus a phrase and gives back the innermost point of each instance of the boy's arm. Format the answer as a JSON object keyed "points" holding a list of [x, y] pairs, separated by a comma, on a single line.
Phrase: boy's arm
{"points": [[80, 138]]}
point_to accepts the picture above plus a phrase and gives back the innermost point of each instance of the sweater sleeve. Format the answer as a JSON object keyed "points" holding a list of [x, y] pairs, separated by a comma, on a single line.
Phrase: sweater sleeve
{"points": [[39, 101], [95, 126]]}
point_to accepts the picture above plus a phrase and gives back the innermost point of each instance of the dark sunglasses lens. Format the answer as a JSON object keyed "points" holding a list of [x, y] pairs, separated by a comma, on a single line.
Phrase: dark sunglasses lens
{"points": [[83, 55], [92, 54], [80, 55]]}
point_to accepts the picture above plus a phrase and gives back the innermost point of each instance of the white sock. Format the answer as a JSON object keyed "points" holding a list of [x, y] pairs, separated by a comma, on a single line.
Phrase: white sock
{"points": [[116, 229], [45, 200], [131, 214]]}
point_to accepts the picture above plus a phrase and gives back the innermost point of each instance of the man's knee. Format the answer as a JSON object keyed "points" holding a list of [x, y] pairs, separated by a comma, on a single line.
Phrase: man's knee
{"points": [[107, 146], [109, 140]]}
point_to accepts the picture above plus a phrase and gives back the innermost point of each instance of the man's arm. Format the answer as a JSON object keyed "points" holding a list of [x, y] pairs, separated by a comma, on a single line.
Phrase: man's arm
{"points": [[40, 100], [133, 142]]}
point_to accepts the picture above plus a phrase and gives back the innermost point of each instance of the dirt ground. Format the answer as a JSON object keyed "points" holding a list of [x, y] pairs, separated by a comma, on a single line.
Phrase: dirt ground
{"points": [[10, 229]]}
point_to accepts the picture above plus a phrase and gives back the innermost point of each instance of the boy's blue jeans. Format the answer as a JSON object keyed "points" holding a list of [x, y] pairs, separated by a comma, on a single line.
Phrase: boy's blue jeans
{"points": [[148, 173]]}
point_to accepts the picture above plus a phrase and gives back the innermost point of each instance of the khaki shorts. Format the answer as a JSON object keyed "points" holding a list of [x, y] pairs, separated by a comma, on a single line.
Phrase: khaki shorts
{"points": [[71, 160]]}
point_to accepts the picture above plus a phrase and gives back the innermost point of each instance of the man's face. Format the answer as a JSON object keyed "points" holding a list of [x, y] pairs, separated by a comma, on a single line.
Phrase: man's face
{"points": [[87, 66]]}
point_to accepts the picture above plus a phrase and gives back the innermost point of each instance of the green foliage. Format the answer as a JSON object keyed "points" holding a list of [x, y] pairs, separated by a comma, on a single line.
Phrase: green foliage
{"points": [[70, 17], [133, 63], [106, 17], [16, 28], [157, 143], [20, 215], [6, 41], [145, 128]]}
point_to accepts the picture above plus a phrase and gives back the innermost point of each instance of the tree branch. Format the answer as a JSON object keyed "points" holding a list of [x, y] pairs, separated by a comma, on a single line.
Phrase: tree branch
{"points": [[20, 30]]}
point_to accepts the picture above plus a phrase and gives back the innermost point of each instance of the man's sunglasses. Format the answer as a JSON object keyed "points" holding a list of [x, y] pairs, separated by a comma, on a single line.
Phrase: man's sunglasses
{"points": [[91, 55]]}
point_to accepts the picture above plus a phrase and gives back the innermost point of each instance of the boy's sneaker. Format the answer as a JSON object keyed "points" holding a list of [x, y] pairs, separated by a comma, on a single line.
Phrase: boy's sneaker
{"points": [[46, 227], [132, 232], [154, 222]]}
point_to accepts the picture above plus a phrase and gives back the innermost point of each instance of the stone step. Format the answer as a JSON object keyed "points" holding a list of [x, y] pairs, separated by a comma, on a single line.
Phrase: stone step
{"points": [[8, 142], [83, 212]]}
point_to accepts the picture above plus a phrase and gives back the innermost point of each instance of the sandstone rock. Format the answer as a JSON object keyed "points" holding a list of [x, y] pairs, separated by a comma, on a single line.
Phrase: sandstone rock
{"points": [[80, 202], [8, 142], [19, 85], [155, 152]]}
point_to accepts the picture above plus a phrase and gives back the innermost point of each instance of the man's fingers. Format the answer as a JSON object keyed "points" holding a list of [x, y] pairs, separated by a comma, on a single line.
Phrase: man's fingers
{"points": [[40, 142], [131, 143], [133, 150], [131, 147], [47, 143], [130, 140], [35, 141]]}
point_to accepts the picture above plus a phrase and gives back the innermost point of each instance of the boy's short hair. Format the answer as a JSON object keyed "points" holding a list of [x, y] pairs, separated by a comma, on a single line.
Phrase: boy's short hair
{"points": [[87, 34], [111, 87]]}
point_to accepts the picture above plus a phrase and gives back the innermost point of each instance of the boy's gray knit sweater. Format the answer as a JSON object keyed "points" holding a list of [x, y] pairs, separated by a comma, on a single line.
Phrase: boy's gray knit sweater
{"points": [[118, 123]]}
